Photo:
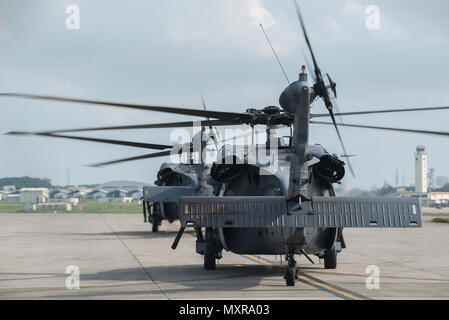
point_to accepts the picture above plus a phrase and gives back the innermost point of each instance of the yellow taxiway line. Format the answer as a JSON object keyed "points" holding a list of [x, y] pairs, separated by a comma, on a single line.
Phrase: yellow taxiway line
{"points": [[311, 281]]}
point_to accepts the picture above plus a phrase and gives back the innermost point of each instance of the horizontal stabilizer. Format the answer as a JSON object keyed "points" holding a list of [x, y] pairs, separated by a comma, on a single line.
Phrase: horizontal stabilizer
{"points": [[321, 212], [349, 212], [166, 193]]}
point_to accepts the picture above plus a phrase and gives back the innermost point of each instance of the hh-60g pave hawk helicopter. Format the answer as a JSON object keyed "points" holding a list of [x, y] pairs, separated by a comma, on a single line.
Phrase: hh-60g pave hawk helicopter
{"points": [[287, 207]]}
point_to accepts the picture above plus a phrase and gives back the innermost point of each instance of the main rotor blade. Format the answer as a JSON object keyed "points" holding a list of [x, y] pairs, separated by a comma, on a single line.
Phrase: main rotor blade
{"points": [[306, 37], [147, 126], [320, 87], [184, 111], [242, 135], [108, 141], [439, 133], [145, 156], [341, 142], [204, 107], [353, 113]]}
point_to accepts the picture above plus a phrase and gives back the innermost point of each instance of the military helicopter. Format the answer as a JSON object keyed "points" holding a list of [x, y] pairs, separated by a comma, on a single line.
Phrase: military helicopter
{"points": [[174, 179], [283, 206]]}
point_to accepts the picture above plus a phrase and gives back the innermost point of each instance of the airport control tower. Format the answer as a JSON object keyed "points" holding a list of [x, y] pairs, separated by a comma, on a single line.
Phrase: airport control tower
{"points": [[420, 170]]}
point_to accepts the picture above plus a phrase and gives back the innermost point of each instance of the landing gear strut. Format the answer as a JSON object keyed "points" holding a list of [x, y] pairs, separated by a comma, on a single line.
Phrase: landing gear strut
{"points": [[152, 209], [292, 273]]}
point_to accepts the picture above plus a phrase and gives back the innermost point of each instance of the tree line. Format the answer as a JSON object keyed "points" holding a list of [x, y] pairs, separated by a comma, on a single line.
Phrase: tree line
{"points": [[25, 182]]}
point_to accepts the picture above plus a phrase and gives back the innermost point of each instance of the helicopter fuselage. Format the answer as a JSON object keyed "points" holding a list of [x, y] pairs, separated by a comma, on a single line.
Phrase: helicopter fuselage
{"points": [[264, 180]]}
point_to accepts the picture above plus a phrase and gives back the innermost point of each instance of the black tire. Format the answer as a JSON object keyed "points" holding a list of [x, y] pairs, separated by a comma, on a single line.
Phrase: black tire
{"points": [[290, 277], [209, 256], [156, 221], [330, 258]]}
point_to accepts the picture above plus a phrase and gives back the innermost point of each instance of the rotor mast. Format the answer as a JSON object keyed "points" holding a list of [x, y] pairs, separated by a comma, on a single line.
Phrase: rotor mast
{"points": [[296, 100]]}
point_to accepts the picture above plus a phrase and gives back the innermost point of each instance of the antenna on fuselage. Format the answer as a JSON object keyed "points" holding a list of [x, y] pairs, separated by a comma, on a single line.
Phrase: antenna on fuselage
{"points": [[271, 128], [275, 54]]}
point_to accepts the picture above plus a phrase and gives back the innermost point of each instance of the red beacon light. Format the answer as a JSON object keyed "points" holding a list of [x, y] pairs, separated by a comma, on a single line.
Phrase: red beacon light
{"points": [[303, 68]]}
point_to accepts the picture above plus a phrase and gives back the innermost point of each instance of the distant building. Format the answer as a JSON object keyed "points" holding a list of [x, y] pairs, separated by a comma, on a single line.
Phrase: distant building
{"points": [[77, 194], [59, 194], [420, 170], [13, 198], [438, 198], [429, 199], [117, 194], [431, 179], [135, 194], [79, 189], [96, 194], [9, 188], [122, 185], [34, 195]]}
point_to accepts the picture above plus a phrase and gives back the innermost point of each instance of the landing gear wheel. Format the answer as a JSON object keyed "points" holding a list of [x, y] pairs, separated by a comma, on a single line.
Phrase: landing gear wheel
{"points": [[291, 273], [209, 256], [156, 221], [330, 258], [290, 277]]}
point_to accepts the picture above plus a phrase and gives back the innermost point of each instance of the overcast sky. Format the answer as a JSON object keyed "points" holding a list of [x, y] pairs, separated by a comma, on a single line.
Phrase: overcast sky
{"points": [[169, 52]]}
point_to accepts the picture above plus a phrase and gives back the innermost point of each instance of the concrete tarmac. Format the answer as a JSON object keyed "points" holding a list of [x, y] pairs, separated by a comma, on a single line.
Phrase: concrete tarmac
{"points": [[119, 258]]}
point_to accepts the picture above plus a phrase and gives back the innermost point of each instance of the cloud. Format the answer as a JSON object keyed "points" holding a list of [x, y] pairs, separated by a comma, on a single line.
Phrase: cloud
{"points": [[232, 30], [168, 54], [259, 14]]}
